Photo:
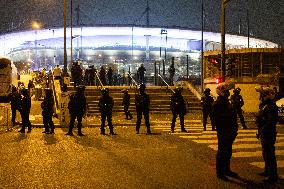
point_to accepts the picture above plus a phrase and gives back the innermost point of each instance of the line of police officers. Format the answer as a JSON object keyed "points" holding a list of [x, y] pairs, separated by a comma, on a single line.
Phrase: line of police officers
{"points": [[223, 114]]}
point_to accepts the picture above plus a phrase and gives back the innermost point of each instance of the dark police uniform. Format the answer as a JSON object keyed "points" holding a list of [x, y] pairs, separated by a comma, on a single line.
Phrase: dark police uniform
{"points": [[172, 73], [25, 106], [141, 74], [178, 108], [102, 75], [266, 121], [105, 105], [15, 99], [142, 102], [77, 109], [126, 103], [237, 102], [225, 119], [206, 103], [47, 112]]}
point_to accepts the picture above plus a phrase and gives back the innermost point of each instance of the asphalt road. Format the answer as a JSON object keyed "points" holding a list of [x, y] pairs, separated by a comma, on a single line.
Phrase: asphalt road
{"points": [[126, 160]]}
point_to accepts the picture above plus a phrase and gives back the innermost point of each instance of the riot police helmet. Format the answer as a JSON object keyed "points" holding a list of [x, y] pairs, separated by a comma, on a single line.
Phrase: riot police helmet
{"points": [[178, 90], [25, 92], [14, 88], [237, 90], [224, 89], [207, 91], [81, 89], [142, 86], [105, 91]]}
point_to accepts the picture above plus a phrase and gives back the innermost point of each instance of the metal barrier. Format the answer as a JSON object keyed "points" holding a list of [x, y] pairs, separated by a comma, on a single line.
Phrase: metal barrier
{"points": [[98, 78], [5, 117], [168, 86]]}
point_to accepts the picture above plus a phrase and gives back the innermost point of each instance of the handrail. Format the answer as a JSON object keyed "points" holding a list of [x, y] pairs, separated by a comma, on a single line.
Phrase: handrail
{"points": [[99, 80], [165, 82], [54, 92], [129, 74]]}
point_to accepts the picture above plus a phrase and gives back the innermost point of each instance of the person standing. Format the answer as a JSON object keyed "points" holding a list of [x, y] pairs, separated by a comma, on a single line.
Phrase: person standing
{"points": [[77, 109], [105, 105], [109, 76], [172, 71], [206, 102], [225, 119], [266, 121], [102, 74], [237, 102], [57, 73], [15, 101], [178, 108], [47, 112], [141, 74], [25, 107], [126, 103], [142, 102]]}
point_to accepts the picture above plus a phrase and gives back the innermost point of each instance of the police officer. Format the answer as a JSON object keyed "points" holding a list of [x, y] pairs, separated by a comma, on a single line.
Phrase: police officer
{"points": [[206, 103], [142, 102], [172, 71], [178, 108], [25, 107], [77, 109], [102, 75], [15, 100], [126, 103], [225, 119], [109, 76], [266, 121], [105, 105], [47, 112], [237, 102], [141, 74]]}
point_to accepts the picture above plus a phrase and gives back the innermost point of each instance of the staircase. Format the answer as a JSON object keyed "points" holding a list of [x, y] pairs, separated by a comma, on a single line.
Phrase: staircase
{"points": [[159, 98]]}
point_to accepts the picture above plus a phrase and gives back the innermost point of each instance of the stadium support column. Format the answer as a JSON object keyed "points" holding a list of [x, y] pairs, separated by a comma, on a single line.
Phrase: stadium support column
{"points": [[147, 47], [65, 51], [202, 47]]}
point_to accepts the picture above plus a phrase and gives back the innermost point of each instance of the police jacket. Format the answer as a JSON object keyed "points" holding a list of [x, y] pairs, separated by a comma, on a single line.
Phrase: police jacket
{"points": [[224, 117], [207, 102], [126, 99], [26, 104], [237, 101], [15, 99], [178, 104], [172, 71], [47, 106], [106, 104], [142, 102], [267, 119], [77, 104]]}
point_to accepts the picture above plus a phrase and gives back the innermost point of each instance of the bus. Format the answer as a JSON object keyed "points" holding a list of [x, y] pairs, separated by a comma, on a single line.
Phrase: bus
{"points": [[8, 77]]}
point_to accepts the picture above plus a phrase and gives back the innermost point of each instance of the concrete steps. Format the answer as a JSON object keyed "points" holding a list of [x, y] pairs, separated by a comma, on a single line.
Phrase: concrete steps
{"points": [[159, 98]]}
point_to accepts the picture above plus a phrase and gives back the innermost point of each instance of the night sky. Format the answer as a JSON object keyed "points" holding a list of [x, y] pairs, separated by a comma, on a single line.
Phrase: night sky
{"points": [[266, 16]]}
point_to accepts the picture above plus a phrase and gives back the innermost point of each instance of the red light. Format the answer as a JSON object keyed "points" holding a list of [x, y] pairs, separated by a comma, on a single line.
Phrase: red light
{"points": [[217, 80]]}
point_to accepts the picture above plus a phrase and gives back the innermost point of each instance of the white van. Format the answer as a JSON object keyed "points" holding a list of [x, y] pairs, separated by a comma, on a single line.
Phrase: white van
{"points": [[8, 77]]}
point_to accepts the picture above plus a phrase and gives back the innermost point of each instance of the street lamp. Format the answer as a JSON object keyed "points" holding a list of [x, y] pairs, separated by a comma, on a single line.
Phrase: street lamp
{"points": [[36, 26]]}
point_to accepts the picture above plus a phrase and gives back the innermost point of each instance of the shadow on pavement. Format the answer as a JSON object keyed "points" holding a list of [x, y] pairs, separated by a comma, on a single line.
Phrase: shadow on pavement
{"points": [[20, 137], [49, 139]]}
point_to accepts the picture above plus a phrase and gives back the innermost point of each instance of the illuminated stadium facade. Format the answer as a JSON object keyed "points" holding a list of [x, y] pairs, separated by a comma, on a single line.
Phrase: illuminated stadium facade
{"points": [[125, 47]]}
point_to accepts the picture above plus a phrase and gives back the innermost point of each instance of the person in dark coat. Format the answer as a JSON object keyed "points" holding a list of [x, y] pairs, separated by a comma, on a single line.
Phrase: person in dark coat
{"points": [[126, 103], [266, 121], [15, 101], [109, 76], [25, 107], [105, 106], [178, 108], [206, 103], [172, 71], [76, 73], [237, 102], [225, 119], [77, 108], [142, 102], [102, 75], [47, 112], [141, 74]]}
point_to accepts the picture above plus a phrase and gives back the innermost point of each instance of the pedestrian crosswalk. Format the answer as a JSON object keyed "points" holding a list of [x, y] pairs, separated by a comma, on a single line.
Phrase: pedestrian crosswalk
{"points": [[246, 144]]}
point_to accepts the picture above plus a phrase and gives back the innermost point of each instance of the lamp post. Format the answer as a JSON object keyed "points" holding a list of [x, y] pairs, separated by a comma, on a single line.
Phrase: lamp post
{"points": [[223, 30], [65, 51], [36, 26]]}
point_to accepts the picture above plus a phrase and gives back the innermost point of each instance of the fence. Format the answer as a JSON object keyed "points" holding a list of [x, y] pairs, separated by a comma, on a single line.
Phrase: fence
{"points": [[5, 118]]}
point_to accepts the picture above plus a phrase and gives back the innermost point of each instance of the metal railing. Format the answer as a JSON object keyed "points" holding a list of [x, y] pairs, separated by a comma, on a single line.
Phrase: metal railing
{"points": [[168, 86], [133, 80], [100, 82]]}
